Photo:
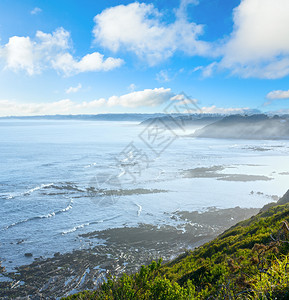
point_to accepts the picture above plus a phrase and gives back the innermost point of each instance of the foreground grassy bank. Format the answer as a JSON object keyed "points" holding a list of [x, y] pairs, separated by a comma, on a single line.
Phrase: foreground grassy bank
{"points": [[248, 261]]}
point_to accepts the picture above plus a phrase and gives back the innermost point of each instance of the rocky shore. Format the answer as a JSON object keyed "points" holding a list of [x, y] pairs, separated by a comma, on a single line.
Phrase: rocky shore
{"points": [[124, 249]]}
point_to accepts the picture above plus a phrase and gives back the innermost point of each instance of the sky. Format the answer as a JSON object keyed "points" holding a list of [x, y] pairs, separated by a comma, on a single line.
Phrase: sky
{"points": [[92, 57]]}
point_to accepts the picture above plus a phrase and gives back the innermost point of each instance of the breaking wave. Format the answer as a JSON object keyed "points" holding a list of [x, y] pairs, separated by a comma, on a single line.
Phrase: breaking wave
{"points": [[49, 215], [29, 192], [88, 224]]}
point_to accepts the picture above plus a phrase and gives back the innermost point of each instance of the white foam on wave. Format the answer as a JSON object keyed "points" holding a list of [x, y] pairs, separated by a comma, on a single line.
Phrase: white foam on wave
{"points": [[68, 207], [139, 209], [91, 165], [37, 188], [49, 215], [29, 192], [88, 224], [75, 228]]}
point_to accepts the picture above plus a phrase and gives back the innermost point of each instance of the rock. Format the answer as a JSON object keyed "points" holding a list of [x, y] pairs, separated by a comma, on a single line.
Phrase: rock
{"points": [[28, 254]]}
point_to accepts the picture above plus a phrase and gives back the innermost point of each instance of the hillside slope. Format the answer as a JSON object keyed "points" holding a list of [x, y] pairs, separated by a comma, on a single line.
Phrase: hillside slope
{"points": [[247, 127], [248, 261]]}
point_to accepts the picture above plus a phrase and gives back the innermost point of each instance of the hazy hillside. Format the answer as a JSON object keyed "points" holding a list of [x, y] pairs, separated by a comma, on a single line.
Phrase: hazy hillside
{"points": [[247, 127], [182, 121]]}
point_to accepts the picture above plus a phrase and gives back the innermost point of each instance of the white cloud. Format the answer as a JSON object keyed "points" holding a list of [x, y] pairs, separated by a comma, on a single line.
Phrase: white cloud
{"points": [[74, 89], [198, 68], [207, 71], [65, 106], [226, 111], [278, 94], [58, 40], [259, 43], [90, 62], [163, 76], [139, 28], [22, 53], [13, 108], [168, 75], [36, 11], [18, 54], [132, 87], [51, 51], [147, 97], [182, 11]]}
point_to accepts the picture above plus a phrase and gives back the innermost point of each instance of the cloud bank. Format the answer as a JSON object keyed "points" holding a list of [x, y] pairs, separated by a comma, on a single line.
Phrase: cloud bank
{"points": [[279, 94], [257, 47], [259, 44], [145, 98], [51, 50], [276, 95], [140, 28]]}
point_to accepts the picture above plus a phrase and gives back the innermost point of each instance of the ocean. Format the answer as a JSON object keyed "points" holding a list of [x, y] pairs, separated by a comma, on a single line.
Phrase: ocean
{"points": [[60, 180]]}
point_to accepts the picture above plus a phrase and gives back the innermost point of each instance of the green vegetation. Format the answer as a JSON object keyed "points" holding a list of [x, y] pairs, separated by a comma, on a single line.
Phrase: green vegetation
{"points": [[248, 261]]}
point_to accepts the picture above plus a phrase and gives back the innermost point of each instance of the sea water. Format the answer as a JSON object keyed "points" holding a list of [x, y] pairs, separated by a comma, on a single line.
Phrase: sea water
{"points": [[60, 179]]}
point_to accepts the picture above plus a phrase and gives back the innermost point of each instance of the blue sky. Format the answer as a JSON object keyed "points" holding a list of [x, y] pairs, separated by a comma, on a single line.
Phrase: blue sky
{"points": [[70, 57]]}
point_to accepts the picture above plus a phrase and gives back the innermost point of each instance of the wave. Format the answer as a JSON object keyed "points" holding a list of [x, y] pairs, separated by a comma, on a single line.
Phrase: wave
{"points": [[42, 186], [75, 228], [66, 186], [29, 192], [49, 215], [91, 165], [88, 224], [139, 209]]}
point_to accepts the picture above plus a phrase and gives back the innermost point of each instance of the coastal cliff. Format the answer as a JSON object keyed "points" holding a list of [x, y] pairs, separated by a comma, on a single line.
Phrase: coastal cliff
{"points": [[248, 261]]}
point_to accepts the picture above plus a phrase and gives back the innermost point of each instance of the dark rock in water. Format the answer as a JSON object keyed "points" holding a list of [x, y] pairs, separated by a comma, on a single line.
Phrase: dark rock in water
{"points": [[284, 199], [28, 254]]}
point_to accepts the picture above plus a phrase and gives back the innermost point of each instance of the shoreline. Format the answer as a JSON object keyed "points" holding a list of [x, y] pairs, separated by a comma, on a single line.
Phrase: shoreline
{"points": [[125, 250]]}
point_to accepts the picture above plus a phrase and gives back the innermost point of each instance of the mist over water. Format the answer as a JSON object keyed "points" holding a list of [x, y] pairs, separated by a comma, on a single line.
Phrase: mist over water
{"points": [[62, 179]]}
